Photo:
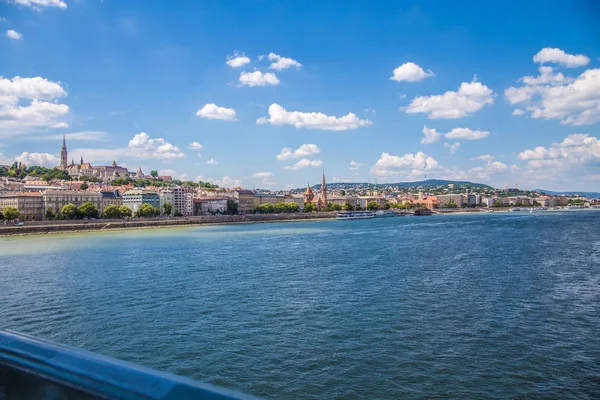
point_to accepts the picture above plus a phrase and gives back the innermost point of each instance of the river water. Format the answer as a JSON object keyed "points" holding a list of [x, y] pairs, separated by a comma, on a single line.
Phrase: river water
{"points": [[454, 306]]}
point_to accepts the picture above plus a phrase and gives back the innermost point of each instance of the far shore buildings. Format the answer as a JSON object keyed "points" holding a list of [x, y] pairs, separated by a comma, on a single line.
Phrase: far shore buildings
{"points": [[103, 172], [133, 199]]}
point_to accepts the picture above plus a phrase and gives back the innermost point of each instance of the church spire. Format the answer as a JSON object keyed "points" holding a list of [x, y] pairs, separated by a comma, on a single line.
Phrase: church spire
{"points": [[63, 155]]}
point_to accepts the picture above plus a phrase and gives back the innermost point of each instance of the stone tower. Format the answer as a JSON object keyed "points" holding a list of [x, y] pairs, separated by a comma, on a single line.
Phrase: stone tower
{"points": [[63, 155], [322, 201], [308, 195]]}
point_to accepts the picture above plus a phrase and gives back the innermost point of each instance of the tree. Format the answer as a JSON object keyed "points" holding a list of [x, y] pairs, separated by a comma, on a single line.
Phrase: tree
{"points": [[153, 173], [11, 213], [342, 192], [146, 210], [167, 209], [177, 213], [451, 204], [125, 212], [49, 214], [348, 207], [232, 207], [336, 207], [372, 206], [83, 186], [88, 210], [112, 211], [69, 211], [1, 216], [310, 207]]}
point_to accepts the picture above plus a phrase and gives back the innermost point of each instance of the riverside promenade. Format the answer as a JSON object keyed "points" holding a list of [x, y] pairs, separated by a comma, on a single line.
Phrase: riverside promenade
{"points": [[39, 227]]}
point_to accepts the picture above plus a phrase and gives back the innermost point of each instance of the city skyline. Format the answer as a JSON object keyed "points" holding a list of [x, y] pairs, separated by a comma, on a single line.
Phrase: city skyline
{"points": [[408, 91]]}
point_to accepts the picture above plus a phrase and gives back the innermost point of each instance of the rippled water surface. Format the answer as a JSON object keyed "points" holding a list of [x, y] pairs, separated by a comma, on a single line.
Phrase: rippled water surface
{"points": [[463, 306]]}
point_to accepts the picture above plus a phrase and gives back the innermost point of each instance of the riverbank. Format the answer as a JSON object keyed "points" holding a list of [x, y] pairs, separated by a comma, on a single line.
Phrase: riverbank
{"points": [[44, 227]]}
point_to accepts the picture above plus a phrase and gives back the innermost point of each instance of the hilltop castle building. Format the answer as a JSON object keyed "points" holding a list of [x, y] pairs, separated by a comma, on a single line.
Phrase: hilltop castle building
{"points": [[77, 171]]}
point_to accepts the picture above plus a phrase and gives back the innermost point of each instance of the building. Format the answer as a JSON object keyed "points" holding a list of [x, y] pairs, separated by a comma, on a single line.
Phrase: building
{"points": [[55, 200], [294, 198], [167, 196], [109, 172], [29, 204], [445, 199], [80, 170], [271, 198], [209, 205], [245, 200], [322, 200], [309, 195], [343, 200], [183, 200], [133, 199], [63, 155], [110, 198], [471, 200]]}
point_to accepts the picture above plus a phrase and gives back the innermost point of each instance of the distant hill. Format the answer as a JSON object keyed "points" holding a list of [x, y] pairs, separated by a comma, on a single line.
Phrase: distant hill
{"points": [[425, 183], [586, 194]]}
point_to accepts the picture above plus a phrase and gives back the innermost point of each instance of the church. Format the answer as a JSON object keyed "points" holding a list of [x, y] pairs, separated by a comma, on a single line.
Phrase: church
{"points": [[77, 171], [321, 199]]}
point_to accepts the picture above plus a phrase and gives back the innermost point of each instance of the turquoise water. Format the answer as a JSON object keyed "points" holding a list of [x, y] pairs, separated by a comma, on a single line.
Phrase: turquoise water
{"points": [[462, 306]]}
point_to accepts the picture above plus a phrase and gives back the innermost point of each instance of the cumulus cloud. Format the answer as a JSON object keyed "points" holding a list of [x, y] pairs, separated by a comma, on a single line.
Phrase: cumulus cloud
{"points": [[237, 60], [575, 149], [558, 56], [408, 165], [410, 72], [59, 125], [312, 120], [466, 134], [305, 150], [14, 35], [141, 146], [40, 159], [39, 113], [39, 4], [453, 147], [354, 165], [470, 98], [430, 136], [212, 111], [195, 146], [304, 163], [486, 171], [518, 111], [485, 157], [262, 174], [225, 182], [280, 63], [168, 172], [212, 161], [258, 78], [572, 101]]}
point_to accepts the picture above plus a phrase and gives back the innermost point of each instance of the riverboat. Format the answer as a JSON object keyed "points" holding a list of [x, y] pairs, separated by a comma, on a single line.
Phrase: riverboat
{"points": [[347, 215], [422, 212], [384, 214]]}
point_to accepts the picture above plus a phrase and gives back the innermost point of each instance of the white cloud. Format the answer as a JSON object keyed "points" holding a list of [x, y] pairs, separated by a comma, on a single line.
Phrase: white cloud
{"points": [[40, 159], [141, 146], [211, 161], [262, 174], [305, 150], [168, 172], [280, 63], [312, 120], [40, 113], [77, 136], [14, 35], [258, 78], [431, 136], [354, 165], [304, 163], [408, 165], [577, 148], [212, 111], [485, 172], [558, 56], [60, 125], [485, 157], [573, 102], [410, 72], [195, 146], [470, 97], [453, 147], [371, 110], [466, 134], [518, 111], [237, 60], [226, 181], [39, 4]]}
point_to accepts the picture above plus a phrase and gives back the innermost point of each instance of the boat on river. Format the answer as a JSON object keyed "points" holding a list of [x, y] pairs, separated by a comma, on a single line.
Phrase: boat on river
{"points": [[422, 212], [347, 215], [384, 214]]}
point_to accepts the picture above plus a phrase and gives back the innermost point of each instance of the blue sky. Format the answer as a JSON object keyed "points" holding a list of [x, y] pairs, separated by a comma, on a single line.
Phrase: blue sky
{"points": [[131, 81]]}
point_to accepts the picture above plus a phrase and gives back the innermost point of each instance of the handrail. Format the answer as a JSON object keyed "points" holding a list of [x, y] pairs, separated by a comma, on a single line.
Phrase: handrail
{"points": [[26, 362]]}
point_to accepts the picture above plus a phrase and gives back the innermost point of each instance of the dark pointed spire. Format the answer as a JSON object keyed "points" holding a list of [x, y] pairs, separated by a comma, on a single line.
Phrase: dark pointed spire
{"points": [[81, 159], [64, 142]]}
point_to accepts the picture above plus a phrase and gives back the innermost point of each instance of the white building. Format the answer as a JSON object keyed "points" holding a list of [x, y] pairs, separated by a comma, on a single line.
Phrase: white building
{"points": [[167, 196]]}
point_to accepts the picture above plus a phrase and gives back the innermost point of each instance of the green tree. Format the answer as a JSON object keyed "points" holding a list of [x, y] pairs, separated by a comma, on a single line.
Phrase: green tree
{"points": [[88, 210], [167, 209], [451, 204], [69, 211], [310, 207], [372, 206], [112, 211], [293, 207], [153, 173], [125, 212], [1, 216], [232, 207], [83, 186], [145, 211], [348, 207], [177, 213], [49, 214], [342, 192], [11, 213], [336, 207]]}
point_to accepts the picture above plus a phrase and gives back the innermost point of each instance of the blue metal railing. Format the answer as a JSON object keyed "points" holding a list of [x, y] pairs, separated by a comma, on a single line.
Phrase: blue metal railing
{"points": [[32, 368]]}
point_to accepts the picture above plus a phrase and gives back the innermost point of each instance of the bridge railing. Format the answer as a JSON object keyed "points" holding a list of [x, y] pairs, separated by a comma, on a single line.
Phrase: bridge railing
{"points": [[32, 368]]}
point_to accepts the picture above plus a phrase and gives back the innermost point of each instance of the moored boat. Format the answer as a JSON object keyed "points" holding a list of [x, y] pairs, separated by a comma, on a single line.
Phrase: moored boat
{"points": [[422, 212], [347, 215], [384, 213]]}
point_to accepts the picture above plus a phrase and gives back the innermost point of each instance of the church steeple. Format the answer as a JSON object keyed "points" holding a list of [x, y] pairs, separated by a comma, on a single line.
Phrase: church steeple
{"points": [[63, 155], [322, 202], [82, 160]]}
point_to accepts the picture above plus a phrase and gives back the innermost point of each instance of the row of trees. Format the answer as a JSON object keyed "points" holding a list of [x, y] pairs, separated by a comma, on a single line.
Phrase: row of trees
{"points": [[20, 171], [9, 214], [269, 208]]}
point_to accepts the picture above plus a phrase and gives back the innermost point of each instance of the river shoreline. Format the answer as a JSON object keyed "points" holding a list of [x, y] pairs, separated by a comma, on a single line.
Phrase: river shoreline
{"points": [[39, 228]]}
